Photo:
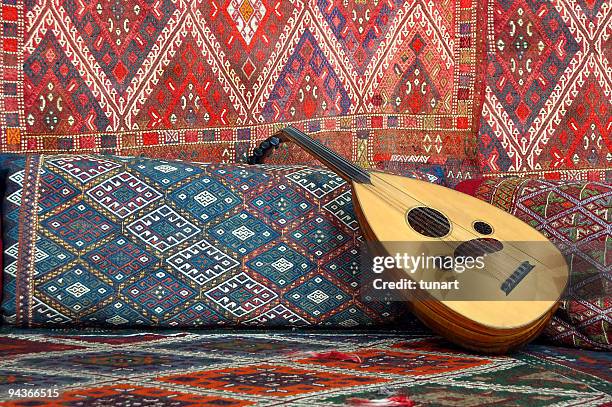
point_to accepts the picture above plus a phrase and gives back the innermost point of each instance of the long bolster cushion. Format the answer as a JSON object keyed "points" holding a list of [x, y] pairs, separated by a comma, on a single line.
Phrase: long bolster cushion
{"points": [[131, 241], [577, 217]]}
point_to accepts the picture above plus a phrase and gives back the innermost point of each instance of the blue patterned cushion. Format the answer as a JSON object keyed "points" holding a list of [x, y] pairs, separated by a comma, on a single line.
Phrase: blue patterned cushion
{"points": [[105, 240]]}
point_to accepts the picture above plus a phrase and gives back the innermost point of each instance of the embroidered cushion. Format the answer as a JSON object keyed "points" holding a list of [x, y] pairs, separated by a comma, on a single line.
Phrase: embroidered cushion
{"points": [[576, 216], [124, 241]]}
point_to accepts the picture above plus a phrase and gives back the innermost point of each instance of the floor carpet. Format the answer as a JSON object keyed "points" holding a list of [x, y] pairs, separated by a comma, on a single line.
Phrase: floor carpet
{"points": [[235, 368]]}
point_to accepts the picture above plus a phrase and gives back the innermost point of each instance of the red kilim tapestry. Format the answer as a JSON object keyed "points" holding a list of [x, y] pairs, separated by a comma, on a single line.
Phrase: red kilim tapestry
{"points": [[548, 103], [385, 81]]}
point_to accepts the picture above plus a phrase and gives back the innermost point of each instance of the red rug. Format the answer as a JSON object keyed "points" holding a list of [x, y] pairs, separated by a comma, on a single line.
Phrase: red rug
{"points": [[392, 82], [239, 368]]}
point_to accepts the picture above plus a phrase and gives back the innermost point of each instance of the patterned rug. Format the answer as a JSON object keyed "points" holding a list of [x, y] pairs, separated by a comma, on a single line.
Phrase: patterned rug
{"points": [[548, 103], [239, 368], [384, 81]]}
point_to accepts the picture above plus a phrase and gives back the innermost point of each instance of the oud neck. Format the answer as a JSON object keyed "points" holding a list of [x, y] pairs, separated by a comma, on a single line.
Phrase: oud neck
{"points": [[338, 164]]}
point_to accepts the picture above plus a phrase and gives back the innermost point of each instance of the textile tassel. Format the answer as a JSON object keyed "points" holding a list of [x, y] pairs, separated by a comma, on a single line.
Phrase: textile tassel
{"points": [[335, 355], [395, 401]]}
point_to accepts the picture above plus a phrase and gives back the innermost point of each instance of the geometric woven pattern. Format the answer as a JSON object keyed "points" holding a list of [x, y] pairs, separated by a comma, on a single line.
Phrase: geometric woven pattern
{"points": [[548, 103], [137, 241], [390, 81], [576, 217], [238, 368]]}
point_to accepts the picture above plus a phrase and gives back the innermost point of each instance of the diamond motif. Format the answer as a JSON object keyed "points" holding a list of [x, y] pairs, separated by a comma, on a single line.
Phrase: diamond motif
{"points": [[533, 50], [281, 265], [319, 236], [281, 204], [205, 198], [165, 172], [247, 15], [163, 228], [83, 168], [120, 258], [54, 191], [243, 233], [80, 225], [118, 35], [124, 194], [68, 104], [117, 320], [77, 289], [345, 267], [308, 85], [272, 381], [415, 92], [159, 292], [360, 28], [202, 262], [317, 296], [241, 295]]}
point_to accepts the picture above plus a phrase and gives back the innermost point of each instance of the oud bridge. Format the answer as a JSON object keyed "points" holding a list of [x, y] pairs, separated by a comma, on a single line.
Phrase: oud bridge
{"points": [[516, 277]]}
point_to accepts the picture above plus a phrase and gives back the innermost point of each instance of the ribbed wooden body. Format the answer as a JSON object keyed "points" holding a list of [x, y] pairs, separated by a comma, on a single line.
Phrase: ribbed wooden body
{"points": [[502, 322]]}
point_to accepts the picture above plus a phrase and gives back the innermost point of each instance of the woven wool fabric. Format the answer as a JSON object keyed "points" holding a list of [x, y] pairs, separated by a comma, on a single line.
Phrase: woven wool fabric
{"points": [[548, 102], [131, 241], [106, 368], [207, 80], [577, 217]]}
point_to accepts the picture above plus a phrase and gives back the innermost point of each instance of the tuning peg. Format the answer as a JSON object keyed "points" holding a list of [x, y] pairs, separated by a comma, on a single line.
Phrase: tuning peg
{"points": [[274, 141]]}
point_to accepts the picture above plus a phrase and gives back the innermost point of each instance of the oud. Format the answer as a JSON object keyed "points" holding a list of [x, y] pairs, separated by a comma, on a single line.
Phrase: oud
{"points": [[524, 274]]}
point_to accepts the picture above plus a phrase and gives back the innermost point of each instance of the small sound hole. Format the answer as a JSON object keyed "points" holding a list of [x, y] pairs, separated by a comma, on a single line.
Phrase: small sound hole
{"points": [[428, 222], [483, 228]]}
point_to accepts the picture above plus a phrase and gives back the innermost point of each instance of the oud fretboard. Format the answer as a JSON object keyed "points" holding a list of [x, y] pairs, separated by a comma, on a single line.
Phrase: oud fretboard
{"points": [[337, 163]]}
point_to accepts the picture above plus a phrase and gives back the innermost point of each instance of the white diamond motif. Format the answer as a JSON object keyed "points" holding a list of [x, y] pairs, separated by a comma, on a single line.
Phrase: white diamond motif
{"points": [[243, 233], [163, 228], [317, 296], [165, 168], [78, 289], [282, 265], [205, 198], [124, 194], [231, 295], [82, 167], [202, 262], [247, 15]]}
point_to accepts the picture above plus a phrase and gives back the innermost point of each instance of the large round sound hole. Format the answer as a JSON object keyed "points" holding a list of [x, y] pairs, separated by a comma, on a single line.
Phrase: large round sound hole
{"points": [[428, 222]]}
